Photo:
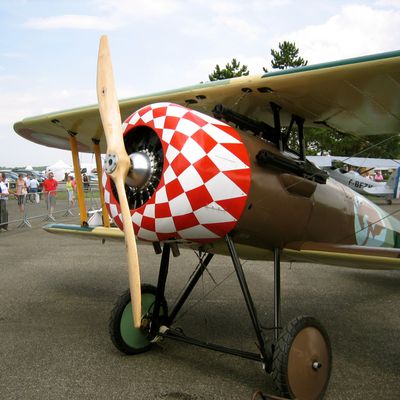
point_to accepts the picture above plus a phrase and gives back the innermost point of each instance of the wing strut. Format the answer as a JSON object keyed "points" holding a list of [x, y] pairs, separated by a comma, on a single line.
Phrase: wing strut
{"points": [[78, 179], [99, 169]]}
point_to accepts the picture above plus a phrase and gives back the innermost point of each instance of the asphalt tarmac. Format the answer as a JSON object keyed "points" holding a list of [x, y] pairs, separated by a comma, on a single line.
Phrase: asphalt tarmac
{"points": [[56, 295]]}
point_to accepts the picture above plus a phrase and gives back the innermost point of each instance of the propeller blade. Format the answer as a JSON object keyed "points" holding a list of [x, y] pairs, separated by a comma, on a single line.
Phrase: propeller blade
{"points": [[118, 166]]}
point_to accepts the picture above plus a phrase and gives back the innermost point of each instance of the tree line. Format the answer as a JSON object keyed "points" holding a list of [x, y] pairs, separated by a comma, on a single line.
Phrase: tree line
{"points": [[322, 140]]}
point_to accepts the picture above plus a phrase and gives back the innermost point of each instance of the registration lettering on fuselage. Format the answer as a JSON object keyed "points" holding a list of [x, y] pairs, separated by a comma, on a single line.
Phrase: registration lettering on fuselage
{"points": [[358, 184]]}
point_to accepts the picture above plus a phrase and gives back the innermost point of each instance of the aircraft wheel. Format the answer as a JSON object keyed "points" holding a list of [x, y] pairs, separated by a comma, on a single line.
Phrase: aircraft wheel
{"points": [[302, 359], [126, 338]]}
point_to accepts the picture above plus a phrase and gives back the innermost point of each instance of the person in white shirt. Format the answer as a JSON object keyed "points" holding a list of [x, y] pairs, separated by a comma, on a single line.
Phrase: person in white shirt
{"points": [[32, 185], [3, 203]]}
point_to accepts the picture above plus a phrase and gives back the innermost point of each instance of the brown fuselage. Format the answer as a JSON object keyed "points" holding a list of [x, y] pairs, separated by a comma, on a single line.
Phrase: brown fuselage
{"points": [[284, 208]]}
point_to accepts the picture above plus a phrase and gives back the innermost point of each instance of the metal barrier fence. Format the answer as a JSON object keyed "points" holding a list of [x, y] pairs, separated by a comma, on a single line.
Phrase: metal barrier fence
{"points": [[23, 209]]}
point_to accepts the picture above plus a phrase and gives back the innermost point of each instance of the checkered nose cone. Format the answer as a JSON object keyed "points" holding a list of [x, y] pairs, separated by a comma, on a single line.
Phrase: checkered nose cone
{"points": [[205, 178]]}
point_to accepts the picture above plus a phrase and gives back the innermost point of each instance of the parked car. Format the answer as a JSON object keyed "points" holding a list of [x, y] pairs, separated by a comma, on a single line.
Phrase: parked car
{"points": [[11, 178]]}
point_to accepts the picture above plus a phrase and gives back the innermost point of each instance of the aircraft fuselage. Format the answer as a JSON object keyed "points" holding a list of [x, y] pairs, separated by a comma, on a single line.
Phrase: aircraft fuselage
{"points": [[284, 208]]}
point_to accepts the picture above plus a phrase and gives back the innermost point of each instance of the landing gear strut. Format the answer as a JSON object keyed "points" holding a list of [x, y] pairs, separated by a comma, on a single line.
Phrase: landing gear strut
{"points": [[298, 357]]}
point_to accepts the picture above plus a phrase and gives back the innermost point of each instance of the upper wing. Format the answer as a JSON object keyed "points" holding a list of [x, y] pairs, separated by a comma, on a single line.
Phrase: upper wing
{"points": [[360, 96]]}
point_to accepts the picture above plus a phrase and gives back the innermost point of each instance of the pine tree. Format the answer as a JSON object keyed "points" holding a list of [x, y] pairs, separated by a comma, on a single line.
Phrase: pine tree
{"points": [[231, 70], [286, 57]]}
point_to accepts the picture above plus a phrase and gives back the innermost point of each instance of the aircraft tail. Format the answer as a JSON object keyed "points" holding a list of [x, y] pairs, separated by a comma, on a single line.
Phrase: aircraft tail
{"points": [[393, 183]]}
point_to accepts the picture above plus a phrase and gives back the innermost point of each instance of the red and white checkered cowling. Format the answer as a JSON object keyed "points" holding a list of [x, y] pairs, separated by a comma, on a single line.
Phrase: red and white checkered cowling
{"points": [[205, 179]]}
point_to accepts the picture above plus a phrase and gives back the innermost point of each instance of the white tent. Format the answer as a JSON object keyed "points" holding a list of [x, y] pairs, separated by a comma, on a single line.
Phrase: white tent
{"points": [[59, 169]]}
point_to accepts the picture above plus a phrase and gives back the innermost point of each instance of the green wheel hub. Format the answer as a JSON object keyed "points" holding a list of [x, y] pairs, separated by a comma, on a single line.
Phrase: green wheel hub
{"points": [[137, 337], [125, 337]]}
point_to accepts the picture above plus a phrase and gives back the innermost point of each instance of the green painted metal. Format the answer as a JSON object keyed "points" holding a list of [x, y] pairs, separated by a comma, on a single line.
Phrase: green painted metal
{"points": [[68, 227], [135, 337], [339, 63]]}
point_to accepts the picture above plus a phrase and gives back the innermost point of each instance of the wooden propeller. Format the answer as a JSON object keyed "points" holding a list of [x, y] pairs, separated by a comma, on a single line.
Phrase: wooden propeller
{"points": [[118, 165]]}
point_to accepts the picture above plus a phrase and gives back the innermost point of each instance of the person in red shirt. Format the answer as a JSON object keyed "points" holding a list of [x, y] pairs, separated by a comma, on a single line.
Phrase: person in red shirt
{"points": [[50, 193]]}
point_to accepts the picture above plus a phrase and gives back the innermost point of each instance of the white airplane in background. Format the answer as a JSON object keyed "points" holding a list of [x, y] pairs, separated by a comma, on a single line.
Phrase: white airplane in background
{"points": [[382, 164], [389, 190]]}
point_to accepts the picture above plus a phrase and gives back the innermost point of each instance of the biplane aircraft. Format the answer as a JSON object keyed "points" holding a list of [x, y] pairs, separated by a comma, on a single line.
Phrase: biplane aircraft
{"points": [[209, 167]]}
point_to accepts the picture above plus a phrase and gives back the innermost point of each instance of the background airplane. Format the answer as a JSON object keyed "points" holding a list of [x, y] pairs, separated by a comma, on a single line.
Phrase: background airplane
{"points": [[209, 167], [350, 177], [368, 163]]}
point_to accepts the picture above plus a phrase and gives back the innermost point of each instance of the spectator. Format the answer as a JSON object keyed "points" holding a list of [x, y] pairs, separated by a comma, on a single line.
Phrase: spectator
{"points": [[27, 180], [70, 190], [33, 189], [73, 183], [21, 192], [5, 180], [50, 193], [378, 176], [3, 203], [86, 184]]}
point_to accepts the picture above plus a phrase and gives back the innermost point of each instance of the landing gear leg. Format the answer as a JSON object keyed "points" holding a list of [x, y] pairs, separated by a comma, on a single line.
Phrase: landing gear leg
{"points": [[277, 293], [266, 357]]}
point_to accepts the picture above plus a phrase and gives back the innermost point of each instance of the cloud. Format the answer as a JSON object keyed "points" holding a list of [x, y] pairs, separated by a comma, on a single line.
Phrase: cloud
{"points": [[8, 78], [238, 25], [72, 21], [357, 30], [10, 113], [21, 103], [224, 7], [125, 10], [11, 55], [40, 100], [390, 3], [112, 15], [240, 7]]}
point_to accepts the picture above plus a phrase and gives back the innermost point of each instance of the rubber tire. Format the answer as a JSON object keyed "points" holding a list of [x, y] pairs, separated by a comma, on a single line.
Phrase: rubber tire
{"points": [[280, 363], [125, 337]]}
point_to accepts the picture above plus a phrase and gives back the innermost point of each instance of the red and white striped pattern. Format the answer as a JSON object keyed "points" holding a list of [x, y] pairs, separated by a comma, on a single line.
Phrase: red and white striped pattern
{"points": [[205, 180]]}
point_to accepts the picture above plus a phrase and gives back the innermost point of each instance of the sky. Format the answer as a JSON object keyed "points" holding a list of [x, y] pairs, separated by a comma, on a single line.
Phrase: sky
{"points": [[48, 49]]}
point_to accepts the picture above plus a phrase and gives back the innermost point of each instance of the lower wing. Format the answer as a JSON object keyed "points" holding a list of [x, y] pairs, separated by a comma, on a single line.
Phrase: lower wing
{"points": [[310, 252]]}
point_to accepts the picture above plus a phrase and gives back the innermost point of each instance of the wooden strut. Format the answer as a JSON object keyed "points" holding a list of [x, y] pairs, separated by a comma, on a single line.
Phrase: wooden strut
{"points": [[78, 180], [99, 168]]}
